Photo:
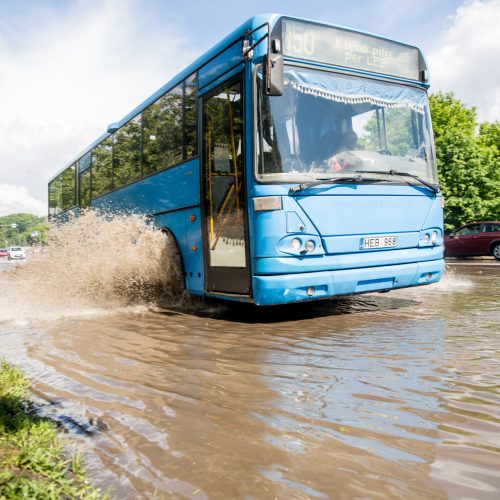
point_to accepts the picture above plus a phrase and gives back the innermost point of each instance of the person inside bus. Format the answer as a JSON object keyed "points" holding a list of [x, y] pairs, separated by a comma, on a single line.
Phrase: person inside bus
{"points": [[349, 141], [343, 160]]}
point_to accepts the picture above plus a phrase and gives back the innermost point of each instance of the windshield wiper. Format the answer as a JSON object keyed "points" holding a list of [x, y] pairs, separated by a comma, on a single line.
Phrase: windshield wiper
{"points": [[433, 187], [330, 180]]}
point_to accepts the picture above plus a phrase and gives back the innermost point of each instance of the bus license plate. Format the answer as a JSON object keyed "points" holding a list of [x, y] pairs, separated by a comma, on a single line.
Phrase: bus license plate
{"points": [[378, 242]]}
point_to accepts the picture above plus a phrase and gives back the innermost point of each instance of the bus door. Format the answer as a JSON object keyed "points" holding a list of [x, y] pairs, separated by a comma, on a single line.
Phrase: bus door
{"points": [[223, 191]]}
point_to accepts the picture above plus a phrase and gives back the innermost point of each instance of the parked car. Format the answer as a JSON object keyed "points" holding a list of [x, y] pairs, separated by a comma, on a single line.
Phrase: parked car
{"points": [[16, 253], [477, 238], [3, 252]]}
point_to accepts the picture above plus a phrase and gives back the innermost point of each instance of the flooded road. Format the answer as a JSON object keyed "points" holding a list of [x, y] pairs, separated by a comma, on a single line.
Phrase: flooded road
{"points": [[376, 396]]}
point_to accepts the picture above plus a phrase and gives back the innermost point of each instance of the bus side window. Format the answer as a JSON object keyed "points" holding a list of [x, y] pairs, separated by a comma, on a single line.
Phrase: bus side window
{"points": [[190, 134], [84, 165], [163, 132], [84, 186], [127, 153], [102, 171], [69, 187], [55, 196]]}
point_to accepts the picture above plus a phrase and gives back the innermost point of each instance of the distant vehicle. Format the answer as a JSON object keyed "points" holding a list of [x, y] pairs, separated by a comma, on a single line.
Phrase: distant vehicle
{"points": [[3, 252], [477, 238], [16, 253]]}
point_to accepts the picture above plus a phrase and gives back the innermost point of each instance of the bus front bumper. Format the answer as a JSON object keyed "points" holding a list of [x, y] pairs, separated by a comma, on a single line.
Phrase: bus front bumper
{"points": [[286, 288]]}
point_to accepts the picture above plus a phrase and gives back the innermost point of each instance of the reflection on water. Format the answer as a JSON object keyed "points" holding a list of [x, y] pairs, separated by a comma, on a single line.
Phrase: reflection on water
{"points": [[383, 395]]}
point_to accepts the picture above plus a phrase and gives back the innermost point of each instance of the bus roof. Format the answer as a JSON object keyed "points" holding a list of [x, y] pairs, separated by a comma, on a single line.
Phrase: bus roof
{"points": [[244, 29]]}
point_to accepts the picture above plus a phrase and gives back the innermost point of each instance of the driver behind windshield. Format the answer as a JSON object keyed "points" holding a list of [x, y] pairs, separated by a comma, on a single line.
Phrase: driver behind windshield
{"points": [[336, 154]]}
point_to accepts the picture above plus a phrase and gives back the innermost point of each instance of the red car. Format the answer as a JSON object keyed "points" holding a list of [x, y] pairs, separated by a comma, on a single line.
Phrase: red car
{"points": [[477, 238], [3, 252]]}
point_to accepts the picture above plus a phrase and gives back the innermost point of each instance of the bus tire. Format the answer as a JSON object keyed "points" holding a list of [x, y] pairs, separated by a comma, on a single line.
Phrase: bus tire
{"points": [[174, 265]]}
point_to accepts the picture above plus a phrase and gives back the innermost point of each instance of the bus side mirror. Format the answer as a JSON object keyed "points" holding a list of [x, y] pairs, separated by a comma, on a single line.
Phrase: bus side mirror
{"points": [[274, 76]]}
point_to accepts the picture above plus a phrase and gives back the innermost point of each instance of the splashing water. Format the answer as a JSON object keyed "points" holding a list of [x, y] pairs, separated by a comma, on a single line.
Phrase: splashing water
{"points": [[93, 262], [452, 281]]}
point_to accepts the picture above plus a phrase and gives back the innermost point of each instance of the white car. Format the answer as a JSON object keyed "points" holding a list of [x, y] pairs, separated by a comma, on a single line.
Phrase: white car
{"points": [[16, 253]]}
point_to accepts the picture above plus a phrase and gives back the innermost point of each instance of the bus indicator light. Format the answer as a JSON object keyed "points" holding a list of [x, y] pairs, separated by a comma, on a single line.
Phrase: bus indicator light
{"points": [[194, 248], [192, 218]]}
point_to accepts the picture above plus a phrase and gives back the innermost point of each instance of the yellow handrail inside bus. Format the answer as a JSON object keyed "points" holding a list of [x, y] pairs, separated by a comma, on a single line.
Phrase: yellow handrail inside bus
{"points": [[226, 199], [226, 217], [233, 145], [210, 194]]}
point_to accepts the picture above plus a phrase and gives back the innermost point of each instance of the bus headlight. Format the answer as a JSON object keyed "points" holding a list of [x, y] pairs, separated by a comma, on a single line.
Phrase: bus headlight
{"points": [[434, 237], [306, 246], [426, 239], [309, 246]]}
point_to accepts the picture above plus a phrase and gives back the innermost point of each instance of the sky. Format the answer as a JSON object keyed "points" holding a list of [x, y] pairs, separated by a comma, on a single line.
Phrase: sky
{"points": [[68, 68]]}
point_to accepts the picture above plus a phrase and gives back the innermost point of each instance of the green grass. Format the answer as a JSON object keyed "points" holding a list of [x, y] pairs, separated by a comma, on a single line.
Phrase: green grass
{"points": [[33, 463]]}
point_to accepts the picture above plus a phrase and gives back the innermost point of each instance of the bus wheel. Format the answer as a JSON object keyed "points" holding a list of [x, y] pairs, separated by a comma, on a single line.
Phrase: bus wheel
{"points": [[495, 251], [173, 265]]}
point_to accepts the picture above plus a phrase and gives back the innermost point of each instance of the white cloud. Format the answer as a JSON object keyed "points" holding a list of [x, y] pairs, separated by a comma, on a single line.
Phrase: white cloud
{"points": [[467, 61], [70, 73], [16, 199]]}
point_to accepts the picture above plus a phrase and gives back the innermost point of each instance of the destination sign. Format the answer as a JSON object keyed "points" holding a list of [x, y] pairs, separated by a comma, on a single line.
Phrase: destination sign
{"points": [[350, 49]]}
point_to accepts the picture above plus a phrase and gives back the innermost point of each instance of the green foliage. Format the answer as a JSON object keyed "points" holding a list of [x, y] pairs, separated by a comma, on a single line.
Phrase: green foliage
{"points": [[448, 113], [32, 462], [489, 136], [468, 163], [26, 224], [398, 132]]}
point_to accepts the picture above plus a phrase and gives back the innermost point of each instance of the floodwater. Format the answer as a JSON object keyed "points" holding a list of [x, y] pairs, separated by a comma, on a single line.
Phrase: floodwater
{"points": [[376, 396]]}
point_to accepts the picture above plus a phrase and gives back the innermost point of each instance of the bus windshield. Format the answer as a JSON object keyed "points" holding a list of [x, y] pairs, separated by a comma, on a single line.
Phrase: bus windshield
{"points": [[326, 124]]}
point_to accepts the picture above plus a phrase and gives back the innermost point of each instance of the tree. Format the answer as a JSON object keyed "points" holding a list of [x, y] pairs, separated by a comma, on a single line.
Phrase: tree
{"points": [[468, 163], [398, 131], [448, 113], [489, 144], [24, 225], [489, 136]]}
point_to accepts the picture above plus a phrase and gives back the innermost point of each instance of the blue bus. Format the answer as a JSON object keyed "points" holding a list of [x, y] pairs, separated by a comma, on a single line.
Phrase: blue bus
{"points": [[293, 161]]}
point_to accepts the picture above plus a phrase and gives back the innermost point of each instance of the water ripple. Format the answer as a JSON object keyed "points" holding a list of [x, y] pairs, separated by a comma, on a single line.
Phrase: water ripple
{"points": [[380, 396]]}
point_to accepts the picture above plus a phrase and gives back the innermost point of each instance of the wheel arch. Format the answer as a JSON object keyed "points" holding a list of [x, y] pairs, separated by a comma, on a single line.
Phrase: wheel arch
{"points": [[493, 244], [172, 240]]}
